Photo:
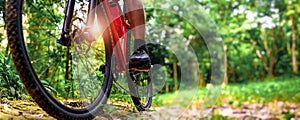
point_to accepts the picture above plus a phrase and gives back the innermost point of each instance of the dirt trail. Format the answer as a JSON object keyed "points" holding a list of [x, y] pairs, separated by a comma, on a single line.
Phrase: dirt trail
{"points": [[19, 110], [30, 110], [273, 110]]}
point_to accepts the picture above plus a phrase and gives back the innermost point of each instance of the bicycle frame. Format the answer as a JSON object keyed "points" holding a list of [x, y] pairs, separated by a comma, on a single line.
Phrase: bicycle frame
{"points": [[117, 24]]}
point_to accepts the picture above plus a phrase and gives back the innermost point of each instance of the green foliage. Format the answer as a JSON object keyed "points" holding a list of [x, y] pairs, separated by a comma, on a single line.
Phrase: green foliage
{"points": [[289, 116], [10, 84], [65, 72], [257, 49], [41, 26], [274, 89], [2, 5], [218, 117], [173, 38], [120, 97], [2, 19], [253, 27]]}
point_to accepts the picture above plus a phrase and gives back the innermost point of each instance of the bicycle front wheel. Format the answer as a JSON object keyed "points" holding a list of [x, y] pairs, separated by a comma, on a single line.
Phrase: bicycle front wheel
{"points": [[66, 82]]}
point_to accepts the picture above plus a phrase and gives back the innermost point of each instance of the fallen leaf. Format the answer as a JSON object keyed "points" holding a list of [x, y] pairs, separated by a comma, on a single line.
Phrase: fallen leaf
{"points": [[6, 107]]}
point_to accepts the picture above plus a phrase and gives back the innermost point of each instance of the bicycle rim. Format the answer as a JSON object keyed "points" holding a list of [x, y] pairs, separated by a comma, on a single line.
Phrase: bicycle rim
{"points": [[65, 81]]}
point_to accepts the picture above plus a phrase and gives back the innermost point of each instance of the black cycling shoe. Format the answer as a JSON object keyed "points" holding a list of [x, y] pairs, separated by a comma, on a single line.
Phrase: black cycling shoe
{"points": [[140, 60]]}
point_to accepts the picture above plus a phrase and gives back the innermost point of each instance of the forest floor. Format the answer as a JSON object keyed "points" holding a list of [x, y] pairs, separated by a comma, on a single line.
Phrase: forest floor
{"points": [[272, 110], [276, 99]]}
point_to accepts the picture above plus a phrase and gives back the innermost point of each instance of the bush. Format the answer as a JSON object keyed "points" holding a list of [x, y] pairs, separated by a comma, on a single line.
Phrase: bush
{"points": [[10, 84]]}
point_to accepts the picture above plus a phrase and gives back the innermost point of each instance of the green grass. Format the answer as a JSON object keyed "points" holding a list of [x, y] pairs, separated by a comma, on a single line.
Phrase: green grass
{"points": [[281, 89]]}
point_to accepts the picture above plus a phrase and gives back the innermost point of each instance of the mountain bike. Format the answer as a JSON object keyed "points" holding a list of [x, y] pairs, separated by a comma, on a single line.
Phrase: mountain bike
{"points": [[71, 77]]}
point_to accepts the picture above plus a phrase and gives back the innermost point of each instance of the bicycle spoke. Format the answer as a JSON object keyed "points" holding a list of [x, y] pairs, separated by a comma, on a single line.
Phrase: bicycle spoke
{"points": [[47, 69]]}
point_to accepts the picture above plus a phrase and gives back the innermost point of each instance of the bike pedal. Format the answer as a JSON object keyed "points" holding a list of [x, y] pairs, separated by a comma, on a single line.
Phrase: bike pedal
{"points": [[140, 64], [138, 70]]}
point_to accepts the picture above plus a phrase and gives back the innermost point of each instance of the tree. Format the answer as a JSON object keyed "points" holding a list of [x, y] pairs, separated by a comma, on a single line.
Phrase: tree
{"points": [[185, 28], [292, 11]]}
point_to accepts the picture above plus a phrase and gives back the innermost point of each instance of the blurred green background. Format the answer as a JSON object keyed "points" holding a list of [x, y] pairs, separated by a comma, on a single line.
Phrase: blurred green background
{"points": [[260, 44]]}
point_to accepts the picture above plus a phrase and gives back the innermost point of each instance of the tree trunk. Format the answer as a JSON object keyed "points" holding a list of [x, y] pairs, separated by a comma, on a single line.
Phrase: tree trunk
{"points": [[225, 65], [167, 87], [67, 70], [294, 58], [175, 76], [271, 67], [201, 80], [271, 52]]}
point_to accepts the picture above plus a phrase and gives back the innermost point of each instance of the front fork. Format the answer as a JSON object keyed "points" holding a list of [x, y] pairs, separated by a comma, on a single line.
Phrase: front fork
{"points": [[65, 38]]}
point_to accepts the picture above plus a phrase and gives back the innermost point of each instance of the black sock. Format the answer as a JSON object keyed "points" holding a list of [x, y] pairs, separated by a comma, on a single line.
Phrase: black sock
{"points": [[140, 44]]}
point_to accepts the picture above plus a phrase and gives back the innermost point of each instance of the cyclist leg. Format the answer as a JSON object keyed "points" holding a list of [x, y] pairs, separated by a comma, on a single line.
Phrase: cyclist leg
{"points": [[136, 18]]}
